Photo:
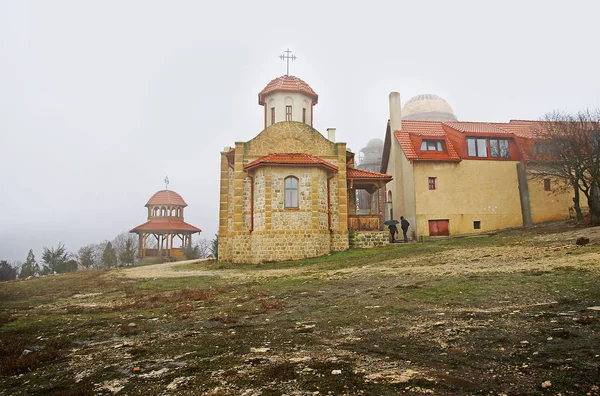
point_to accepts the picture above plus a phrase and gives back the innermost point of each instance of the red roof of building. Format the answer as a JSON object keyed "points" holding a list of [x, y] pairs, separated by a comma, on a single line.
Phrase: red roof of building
{"points": [[477, 128], [353, 173], [166, 224], [166, 197], [290, 159], [522, 128], [287, 84], [414, 132]]}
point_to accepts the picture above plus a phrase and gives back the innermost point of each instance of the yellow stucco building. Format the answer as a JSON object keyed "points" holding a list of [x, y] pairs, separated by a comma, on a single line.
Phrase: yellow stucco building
{"points": [[453, 178]]}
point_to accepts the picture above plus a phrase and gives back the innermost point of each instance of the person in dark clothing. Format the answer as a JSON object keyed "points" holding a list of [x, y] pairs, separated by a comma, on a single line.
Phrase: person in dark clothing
{"points": [[393, 231], [404, 225]]}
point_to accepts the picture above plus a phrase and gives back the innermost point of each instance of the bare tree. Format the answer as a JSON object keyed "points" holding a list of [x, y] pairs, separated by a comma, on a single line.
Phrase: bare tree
{"points": [[568, 147], [203, 246], [87, 256]]}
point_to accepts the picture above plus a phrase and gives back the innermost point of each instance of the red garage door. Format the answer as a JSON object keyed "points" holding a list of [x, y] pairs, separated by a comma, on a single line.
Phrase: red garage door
{"points": [[438, 227]]}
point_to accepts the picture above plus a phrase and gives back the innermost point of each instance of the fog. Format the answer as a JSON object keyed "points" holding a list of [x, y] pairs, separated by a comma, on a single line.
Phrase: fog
{"points": [[99, 101]]}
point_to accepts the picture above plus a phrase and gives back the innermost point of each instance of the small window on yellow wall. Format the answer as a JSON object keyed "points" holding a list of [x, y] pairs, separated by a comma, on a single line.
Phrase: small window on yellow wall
{"points": [[432, 183], [547, 186], [291, 192]]}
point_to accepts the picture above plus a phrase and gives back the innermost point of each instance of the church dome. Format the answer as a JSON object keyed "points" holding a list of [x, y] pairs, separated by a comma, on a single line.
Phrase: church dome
{"points": [[375, 143], [428, 107], [287, 84], [166, 197]]}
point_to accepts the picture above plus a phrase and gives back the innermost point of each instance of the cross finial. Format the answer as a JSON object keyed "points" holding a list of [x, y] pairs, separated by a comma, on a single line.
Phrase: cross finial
{"points": [[166, 182], [287, 57]]}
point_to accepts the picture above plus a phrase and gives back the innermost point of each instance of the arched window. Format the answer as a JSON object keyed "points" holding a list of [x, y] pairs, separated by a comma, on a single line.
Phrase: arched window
{"points": [[155, 211], [291, 192], [163, 211]]}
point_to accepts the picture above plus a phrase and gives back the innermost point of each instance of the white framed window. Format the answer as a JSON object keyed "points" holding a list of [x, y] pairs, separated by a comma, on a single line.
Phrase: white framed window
{"points": [[291, 192], [432, 145]]}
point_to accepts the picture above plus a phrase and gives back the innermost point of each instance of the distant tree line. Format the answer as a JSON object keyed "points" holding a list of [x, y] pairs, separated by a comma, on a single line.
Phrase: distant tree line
{"points": [[122, 251]]}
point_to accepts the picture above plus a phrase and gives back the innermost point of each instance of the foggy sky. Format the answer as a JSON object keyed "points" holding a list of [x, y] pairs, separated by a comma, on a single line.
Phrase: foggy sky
{"points": [[100, 100]]}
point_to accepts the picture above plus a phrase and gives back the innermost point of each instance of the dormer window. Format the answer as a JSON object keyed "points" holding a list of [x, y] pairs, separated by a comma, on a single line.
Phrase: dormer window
{"points": [[432, 145], [488, 148]]}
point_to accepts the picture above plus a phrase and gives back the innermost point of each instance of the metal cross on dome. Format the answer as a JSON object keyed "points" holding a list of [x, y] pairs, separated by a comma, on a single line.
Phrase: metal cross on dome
{"points": [[287, 57], [166, 182]]}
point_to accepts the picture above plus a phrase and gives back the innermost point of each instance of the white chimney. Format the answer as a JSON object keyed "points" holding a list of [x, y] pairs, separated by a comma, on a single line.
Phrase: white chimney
{"points": [[395, 112], [331, 134]]}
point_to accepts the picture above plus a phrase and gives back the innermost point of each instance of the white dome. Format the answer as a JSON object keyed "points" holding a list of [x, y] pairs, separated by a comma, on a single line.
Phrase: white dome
{"points": [[428, 107]]}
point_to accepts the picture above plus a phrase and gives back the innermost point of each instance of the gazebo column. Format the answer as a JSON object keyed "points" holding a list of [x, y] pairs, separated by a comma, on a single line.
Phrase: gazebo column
{"points": [[140, 245]]}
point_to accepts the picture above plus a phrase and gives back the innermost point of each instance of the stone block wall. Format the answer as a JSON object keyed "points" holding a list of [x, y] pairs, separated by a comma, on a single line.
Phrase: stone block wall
{"points": [[339, 241], [254, 224], [369, 239]]}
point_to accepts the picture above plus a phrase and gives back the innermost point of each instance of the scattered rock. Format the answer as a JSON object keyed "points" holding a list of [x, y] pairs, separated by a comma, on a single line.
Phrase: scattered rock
{"points": [[132, 324], [594, 308], [155, 373], [26, 352], [137, 369], [259, 350], [111, 387], [582, 241], [336, 372], [584, 319], [439, 324], [546, 384], [177, 382], [524, 343]]}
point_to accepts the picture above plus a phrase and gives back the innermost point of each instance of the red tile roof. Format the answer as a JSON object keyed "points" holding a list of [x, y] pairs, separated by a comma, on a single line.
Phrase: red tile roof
{"points": [[290, 159], [353, 173], [414, 132], [166, 197], [287, 84], [522, 128], [476, 127], [166, 224]]}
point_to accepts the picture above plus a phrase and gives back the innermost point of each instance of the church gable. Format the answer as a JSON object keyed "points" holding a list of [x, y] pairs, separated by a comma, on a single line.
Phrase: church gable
{"points": [[290, 137]]}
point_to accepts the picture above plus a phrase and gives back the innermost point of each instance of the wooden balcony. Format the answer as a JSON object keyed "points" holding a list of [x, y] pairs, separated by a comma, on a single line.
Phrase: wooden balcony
{"points": [[364, 222]]}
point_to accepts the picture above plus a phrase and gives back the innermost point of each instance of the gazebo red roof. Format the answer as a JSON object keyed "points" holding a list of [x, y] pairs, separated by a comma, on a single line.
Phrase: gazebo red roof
{"points": [[155, 225], [287, 84], [166, 197]]}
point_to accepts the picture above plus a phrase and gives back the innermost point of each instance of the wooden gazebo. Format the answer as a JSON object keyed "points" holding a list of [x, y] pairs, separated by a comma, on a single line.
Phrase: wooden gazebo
{"points": [[165, 224]]}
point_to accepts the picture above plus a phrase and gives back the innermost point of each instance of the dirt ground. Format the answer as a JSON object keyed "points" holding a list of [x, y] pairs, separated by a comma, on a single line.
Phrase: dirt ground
{"points": [[512, 313]]}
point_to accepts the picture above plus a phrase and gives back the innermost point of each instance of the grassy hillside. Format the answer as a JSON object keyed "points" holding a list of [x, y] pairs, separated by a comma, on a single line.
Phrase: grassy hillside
{"points": [[505, 313]]}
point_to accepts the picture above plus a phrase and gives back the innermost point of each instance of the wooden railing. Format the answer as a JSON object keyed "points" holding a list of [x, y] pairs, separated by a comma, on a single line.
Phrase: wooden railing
{"points": [[364, 222], [175, 252]]}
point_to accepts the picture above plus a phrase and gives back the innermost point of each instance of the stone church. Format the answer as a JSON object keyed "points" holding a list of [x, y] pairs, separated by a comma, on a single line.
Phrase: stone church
{"points": [[290, 193]]}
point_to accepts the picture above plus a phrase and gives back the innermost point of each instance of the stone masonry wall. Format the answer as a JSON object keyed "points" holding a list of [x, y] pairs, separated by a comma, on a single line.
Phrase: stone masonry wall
{"points": [[266, 230], [369, 239]]}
